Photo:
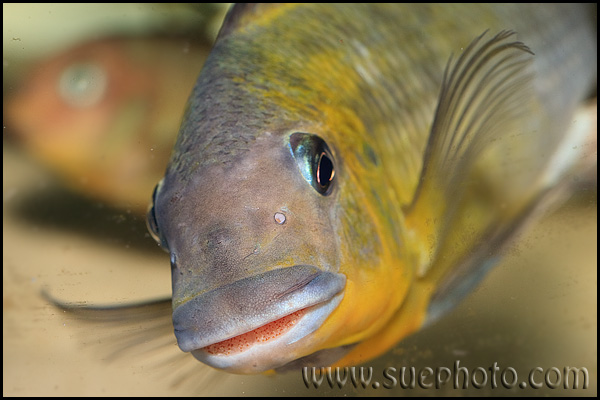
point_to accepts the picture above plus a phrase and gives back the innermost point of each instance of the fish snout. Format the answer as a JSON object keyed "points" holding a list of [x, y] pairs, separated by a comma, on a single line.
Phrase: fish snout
{"points": [[240, 325]]}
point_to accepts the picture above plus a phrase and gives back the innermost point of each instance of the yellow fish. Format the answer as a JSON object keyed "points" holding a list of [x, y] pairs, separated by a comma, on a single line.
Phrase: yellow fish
{"points": [[345, 174]]}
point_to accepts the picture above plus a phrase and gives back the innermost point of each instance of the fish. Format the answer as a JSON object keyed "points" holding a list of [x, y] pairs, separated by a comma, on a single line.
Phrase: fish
{"points": [[102, 114], [345, 175]]}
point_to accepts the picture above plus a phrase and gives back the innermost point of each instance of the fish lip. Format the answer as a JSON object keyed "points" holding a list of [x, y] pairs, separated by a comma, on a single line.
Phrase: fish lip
{"points": [[292, 345], [249, 303]]}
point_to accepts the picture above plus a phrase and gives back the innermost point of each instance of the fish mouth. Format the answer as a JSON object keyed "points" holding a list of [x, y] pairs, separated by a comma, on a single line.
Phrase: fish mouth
{"points": [[257, 323]]}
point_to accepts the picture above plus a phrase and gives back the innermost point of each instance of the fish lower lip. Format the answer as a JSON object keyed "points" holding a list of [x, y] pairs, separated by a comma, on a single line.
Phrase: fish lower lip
{"points": [[261, 334], [273, 301]]}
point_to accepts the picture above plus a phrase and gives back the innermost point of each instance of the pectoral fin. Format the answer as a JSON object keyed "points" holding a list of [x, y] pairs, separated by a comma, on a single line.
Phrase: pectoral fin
{"points": [[494, 158], [573, 161], [484, 93], [459, 215]]}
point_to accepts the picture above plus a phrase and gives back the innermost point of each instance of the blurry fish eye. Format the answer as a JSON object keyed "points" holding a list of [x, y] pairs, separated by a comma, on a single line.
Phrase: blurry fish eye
{"points": [[82, 85], [152, 223], [314, 160]]}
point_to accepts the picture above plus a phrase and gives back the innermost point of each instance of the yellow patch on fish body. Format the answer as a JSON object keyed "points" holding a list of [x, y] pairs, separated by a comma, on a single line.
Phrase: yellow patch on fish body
{"points": [[332, 188]]}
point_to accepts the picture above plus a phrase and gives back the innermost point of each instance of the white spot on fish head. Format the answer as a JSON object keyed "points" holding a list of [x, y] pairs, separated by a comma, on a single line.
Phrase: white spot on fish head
{"points": [[279, 218]]}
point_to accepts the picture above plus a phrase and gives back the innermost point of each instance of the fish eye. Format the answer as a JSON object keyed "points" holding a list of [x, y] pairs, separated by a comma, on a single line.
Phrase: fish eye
{"points": [[152, 223], [83, 85], [325, 171], [315, 161]]}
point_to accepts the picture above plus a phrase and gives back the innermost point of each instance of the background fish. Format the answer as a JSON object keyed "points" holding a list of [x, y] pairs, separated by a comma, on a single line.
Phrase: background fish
{"points": [[103, 113], [337, 181]]}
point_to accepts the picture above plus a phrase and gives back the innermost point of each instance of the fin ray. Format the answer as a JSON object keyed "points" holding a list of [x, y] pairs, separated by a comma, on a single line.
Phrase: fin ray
{"points": [[484, 175], [482, 92], [130, 312]]}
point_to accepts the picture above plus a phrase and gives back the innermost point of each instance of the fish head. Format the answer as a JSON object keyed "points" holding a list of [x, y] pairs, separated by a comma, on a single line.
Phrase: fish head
{"points": [[262, 249], [254, 253], [273, 216]]}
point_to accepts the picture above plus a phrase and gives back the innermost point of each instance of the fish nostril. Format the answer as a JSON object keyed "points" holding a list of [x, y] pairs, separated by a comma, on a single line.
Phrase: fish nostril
{"points": [[221, 240]]}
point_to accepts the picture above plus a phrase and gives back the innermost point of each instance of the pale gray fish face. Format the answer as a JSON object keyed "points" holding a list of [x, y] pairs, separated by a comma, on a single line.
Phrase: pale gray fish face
{"points": [[285, 304], [254, 258]]}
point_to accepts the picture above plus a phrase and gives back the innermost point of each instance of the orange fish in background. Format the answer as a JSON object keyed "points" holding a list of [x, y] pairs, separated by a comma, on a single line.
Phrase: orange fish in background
{"points": [[104, 115]]}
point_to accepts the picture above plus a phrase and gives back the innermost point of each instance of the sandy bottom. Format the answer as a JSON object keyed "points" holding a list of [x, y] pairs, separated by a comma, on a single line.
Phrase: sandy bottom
{"points": [[537, 309]]}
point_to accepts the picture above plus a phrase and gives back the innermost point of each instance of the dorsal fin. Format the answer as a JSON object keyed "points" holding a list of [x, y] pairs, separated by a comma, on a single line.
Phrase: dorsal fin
{"points": [[241, 14]]}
